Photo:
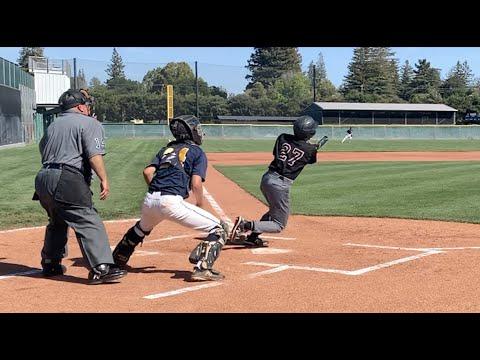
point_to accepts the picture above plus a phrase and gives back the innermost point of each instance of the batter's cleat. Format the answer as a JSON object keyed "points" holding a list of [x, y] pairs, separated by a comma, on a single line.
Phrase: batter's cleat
{"points": [[53, 269], [206, 275], [255, 242], [238, 229], [105, 273]]}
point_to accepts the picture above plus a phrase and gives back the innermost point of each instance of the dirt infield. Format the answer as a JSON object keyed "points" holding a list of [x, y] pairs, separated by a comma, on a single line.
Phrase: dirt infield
{"points": [[318, 264]]}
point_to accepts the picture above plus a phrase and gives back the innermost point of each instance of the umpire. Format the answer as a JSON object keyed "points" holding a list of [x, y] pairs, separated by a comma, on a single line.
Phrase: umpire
{"points": [[73, 146]]}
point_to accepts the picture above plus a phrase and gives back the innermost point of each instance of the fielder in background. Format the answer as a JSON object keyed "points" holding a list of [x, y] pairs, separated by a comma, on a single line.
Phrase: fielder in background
{"points": [[349, 135], [179, 167], [72, 146], [291, 154]]}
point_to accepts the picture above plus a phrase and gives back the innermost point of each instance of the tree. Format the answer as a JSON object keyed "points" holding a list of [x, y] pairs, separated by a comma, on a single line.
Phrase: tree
{"points": [[81, 80], [25, 52], [115, 68], [425, 83], [268, 64], [356, 80], [458, 89], [372, 75], [94, 82], [459, 79], [405, 81], [320, 71], [292, 93], [325, 90]]}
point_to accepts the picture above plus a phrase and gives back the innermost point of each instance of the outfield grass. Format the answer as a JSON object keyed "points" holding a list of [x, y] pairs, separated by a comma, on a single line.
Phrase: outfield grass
{"points": [[235, 145], [417, 190], [126, 159]]}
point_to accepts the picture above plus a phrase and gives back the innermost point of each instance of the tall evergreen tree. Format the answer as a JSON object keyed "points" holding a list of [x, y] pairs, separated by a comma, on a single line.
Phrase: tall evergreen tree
{"points": [[459, 79], [81, 80], [266, 65], [426, 83], [115, 68], [25, 52], [324, 88], [372, 75], [356, 80], [405, 81]]}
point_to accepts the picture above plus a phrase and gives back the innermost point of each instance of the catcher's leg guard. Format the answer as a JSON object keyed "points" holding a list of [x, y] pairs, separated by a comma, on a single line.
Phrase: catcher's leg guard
{"points": [[205, 253], [126, 246]]}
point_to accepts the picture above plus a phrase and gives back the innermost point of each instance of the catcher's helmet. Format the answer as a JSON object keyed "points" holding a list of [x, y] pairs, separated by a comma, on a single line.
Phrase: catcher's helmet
{"points": [[187, 127], [304, 127], [72, 98]]}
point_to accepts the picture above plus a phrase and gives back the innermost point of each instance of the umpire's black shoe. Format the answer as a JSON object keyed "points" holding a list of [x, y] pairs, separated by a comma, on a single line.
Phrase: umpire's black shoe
{"points": [[255, 242], [52, 267], [105, 273]]}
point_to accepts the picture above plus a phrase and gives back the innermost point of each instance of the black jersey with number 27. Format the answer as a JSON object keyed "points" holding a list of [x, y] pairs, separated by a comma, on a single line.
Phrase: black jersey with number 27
{"points": [[291, 156]]}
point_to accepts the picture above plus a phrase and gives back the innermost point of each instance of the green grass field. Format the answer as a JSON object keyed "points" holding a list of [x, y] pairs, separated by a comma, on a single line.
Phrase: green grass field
{"points": [[417, 190], [235, 145], [126, 159]]}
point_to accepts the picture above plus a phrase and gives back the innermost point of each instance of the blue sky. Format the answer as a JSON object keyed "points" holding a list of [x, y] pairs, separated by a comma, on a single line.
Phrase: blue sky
{"points": [[225, 66]]}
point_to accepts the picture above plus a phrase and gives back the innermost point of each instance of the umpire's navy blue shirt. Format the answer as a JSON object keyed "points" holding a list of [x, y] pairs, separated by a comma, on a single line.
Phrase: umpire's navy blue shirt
{"points": [[173, 180]]}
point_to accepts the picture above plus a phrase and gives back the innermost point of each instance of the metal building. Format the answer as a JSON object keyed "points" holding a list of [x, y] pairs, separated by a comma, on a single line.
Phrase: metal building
{"points": [[17, 104], [340, 113]]}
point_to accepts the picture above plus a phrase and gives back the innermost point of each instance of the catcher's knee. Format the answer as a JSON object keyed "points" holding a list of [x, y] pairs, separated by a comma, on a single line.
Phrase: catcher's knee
{"points": [[208, 251], [125, 248]]}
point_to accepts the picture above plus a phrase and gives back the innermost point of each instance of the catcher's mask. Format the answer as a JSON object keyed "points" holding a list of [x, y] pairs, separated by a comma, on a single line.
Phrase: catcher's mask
{"points": [[187, 127], [304, 127], [72, 98]]}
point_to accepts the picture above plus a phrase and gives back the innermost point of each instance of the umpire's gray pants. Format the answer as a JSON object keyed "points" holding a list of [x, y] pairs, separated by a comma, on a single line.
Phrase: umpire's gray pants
{"points": [[85, 221], [276, 190]]}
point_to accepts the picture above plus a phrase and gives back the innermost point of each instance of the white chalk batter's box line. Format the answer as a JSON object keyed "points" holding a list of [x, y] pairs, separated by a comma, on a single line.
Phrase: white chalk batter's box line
{"points": [[274, 268]]}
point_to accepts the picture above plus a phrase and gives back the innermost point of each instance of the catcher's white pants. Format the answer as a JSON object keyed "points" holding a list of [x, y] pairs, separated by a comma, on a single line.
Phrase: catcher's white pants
{"points": [[348, 136], [157, 207]]}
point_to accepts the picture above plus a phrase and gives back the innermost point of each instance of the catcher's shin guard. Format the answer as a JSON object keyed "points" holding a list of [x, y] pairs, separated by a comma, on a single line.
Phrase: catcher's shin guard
{"points": [[205, 253], [126, 246]]}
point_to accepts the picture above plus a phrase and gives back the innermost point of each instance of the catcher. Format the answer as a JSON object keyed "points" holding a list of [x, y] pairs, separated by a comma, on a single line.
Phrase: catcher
{"points": [[291, 154], [177, 168]]}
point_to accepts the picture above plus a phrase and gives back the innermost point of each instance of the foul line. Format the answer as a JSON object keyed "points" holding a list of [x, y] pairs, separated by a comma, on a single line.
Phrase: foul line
{"points": [[362, 271], [217, 207], [181, 291], [20, 274], [415, 249], [168, 238], [43, 227]]}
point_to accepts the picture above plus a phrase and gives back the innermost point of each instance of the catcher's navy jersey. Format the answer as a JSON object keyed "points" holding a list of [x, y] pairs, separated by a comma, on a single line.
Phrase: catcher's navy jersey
{"points": [[175, 164], [291, 156]]}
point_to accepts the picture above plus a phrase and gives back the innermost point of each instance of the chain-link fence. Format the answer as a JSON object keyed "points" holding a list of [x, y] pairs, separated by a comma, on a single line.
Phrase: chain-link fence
{"points": [[420, 132]]}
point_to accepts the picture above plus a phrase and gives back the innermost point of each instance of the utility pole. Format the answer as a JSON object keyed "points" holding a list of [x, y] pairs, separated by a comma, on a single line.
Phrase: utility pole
{"points": [[196, 87]]}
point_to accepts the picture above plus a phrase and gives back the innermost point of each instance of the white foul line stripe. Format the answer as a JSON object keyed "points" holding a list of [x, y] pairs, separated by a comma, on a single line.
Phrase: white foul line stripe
{"points": [[394, 262], [387, 247], [20, 274], [277, 237], [347, 272], [268, 250], [181, 291], [217, 207], [42, 227], [270, 271], [415, 249], [170, 238]]}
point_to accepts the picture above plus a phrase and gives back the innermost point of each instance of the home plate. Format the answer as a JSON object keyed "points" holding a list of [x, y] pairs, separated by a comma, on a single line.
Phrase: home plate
{"points": [[269, 251]]}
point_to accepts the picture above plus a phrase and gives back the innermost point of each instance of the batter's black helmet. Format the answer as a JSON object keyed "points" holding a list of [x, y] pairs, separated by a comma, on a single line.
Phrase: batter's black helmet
{"points": [[304, 127], [72, 98], [187, 127]]}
